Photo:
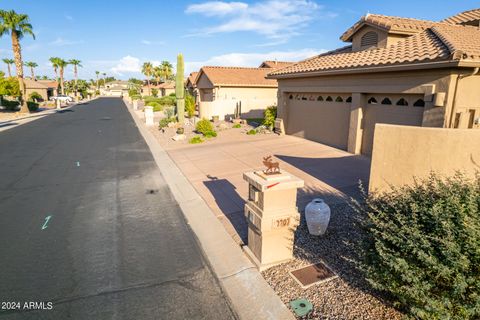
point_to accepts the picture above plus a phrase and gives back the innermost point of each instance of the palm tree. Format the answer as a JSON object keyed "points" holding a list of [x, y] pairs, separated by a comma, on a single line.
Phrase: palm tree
{"points": [[17, 25], [158, 73], [147, 70], [62, 64], [167, 70], [9, 63], [104, 79], [54, 61], [75, 63], [32, 66], [97, 73]]}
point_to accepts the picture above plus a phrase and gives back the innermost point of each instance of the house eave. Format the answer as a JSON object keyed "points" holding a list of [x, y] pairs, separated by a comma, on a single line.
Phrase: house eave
{"points": [[375, 69]]}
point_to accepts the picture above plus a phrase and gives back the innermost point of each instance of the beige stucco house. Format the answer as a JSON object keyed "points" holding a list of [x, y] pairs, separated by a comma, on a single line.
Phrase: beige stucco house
{"points": [[116, 88], [191, 84], [229, 91], [45, 88], [395, 71]]}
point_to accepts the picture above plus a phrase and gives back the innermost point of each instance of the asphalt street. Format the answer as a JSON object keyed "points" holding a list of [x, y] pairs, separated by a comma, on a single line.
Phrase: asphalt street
{"points": [[88, 224]]}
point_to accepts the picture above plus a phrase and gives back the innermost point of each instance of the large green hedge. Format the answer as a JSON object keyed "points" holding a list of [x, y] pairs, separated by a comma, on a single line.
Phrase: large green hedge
{"points": [[422, 246]]}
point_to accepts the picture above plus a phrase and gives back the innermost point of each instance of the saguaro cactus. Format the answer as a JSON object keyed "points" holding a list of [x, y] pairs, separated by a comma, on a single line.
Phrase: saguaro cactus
{"points": [[180, 90]]}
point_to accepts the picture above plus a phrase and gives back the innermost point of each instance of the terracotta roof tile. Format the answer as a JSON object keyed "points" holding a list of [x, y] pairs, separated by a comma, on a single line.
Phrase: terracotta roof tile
{"points": [[389, 23], [192, 78], [464, 17], [443, 42], [237, 76], [275, 64]]}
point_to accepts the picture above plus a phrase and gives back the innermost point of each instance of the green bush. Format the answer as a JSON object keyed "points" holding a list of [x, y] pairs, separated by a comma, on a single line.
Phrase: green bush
{"points": [[32, 106], [237, 125], [422, 246], [165, 121], [169, 112], [203, 126], [156, 106], [11, 105], [195, 140], [136, 97], [189, 105], [155, 92], [270, 115], [251, 132], [133, 92], [35, 96], [210, 134]]}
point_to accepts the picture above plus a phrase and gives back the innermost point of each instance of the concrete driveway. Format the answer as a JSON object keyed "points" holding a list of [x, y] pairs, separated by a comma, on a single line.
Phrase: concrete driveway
{"points": [[215, 169]]}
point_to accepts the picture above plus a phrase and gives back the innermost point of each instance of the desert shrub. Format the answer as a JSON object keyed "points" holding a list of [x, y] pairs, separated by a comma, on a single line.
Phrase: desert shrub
{"points": [[251, 132], [155, 92], [168, 100], [133, 92], [422, 246], [210, 134], [195, 140], [165, 121], [237, 125], [10, 104], [148, 99], [32, 106], [156, 106], [136, 97], [270, 115], [172, 95], [203, 126], [35, 96], [189, 105], [169, 112]]}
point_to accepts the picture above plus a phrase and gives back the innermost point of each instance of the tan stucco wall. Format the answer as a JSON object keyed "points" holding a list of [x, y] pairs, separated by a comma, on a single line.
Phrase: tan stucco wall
{"points": [[467, 100], [401, 153], [235, 93], [42, 92]]}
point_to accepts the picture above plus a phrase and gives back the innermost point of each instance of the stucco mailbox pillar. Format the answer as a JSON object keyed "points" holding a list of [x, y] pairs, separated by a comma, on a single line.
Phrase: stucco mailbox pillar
{"points": [[135, 104], [149, 116], [272, 217]]}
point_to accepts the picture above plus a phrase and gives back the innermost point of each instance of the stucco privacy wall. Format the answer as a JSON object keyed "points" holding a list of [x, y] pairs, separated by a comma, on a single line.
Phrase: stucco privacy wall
{"points": [[401, 153], [251, 108]]}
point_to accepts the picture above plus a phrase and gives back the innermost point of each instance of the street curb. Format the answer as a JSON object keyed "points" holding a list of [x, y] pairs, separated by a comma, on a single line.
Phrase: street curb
{"points": [[249, 294]]}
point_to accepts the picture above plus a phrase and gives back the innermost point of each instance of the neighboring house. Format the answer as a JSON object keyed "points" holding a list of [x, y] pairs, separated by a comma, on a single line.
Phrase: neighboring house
{"points": [[229, 91], [166, 88], [191, 84], [396, 71], [45, 88], [117, 88]]}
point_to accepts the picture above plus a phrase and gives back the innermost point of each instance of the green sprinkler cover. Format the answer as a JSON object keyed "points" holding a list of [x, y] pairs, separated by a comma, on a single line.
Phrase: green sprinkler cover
{"points": [[301, 307]]}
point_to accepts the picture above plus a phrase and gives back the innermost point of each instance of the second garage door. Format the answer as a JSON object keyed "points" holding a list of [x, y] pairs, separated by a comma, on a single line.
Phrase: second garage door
{"points": [[320, 118]]}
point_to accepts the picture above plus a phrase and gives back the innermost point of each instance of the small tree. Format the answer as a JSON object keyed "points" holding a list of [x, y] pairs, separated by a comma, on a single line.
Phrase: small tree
{"points": [[155, 92], [270, 116], [422, 246], [35, 96], [190, 105]]}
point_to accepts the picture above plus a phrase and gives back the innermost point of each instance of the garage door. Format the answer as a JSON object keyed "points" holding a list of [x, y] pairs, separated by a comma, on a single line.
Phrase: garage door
{"points": [[406, 111], [321, 118]]}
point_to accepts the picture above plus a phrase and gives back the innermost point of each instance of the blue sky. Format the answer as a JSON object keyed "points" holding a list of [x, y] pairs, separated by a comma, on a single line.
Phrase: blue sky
{"points": [[116, 37]]}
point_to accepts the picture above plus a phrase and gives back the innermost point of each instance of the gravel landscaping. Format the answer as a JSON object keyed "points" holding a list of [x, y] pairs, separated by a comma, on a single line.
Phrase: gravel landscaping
{"points": [[346, 297]]}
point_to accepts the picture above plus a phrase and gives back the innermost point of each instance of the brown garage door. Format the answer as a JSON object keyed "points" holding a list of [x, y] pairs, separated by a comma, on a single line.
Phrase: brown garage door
{"points": [[391, 111], [313, 117]]}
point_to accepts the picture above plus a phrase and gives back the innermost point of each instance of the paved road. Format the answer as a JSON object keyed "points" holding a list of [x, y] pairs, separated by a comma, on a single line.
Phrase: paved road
{"points": [[116, 245]]}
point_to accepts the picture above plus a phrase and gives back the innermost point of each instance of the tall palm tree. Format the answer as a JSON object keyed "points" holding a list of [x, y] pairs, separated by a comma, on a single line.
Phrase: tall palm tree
{"points": [[54, 61], [158, 73], [167, 70], [32, 65], [75, 63], [97, 73], [147, 70], [9, 63], [62, 64], [17, 25]]}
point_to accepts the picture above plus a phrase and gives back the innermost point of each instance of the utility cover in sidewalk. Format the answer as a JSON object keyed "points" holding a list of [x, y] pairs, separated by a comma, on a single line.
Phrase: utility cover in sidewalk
{"points": [[301, 307], [313, 274]]}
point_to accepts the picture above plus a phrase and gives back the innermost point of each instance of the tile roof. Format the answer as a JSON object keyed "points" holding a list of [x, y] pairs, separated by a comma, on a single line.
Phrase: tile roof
{"points": [[192, 78], [275, 64], [464, 17], [167, 85], [390, 24], [34, 84], [443, 42], [237, 76]]}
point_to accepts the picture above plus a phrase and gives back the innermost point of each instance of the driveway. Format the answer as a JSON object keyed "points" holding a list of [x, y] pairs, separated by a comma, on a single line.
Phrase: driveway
{"points": [[215, 169]]}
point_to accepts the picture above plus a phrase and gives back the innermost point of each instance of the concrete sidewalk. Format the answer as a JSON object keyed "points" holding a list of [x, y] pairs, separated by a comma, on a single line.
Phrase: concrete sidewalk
{"points": [[249, 293]]}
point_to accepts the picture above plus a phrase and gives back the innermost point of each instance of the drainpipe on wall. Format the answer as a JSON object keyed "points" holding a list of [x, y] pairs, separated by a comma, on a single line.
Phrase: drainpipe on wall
{"points": [[459, 77]]}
